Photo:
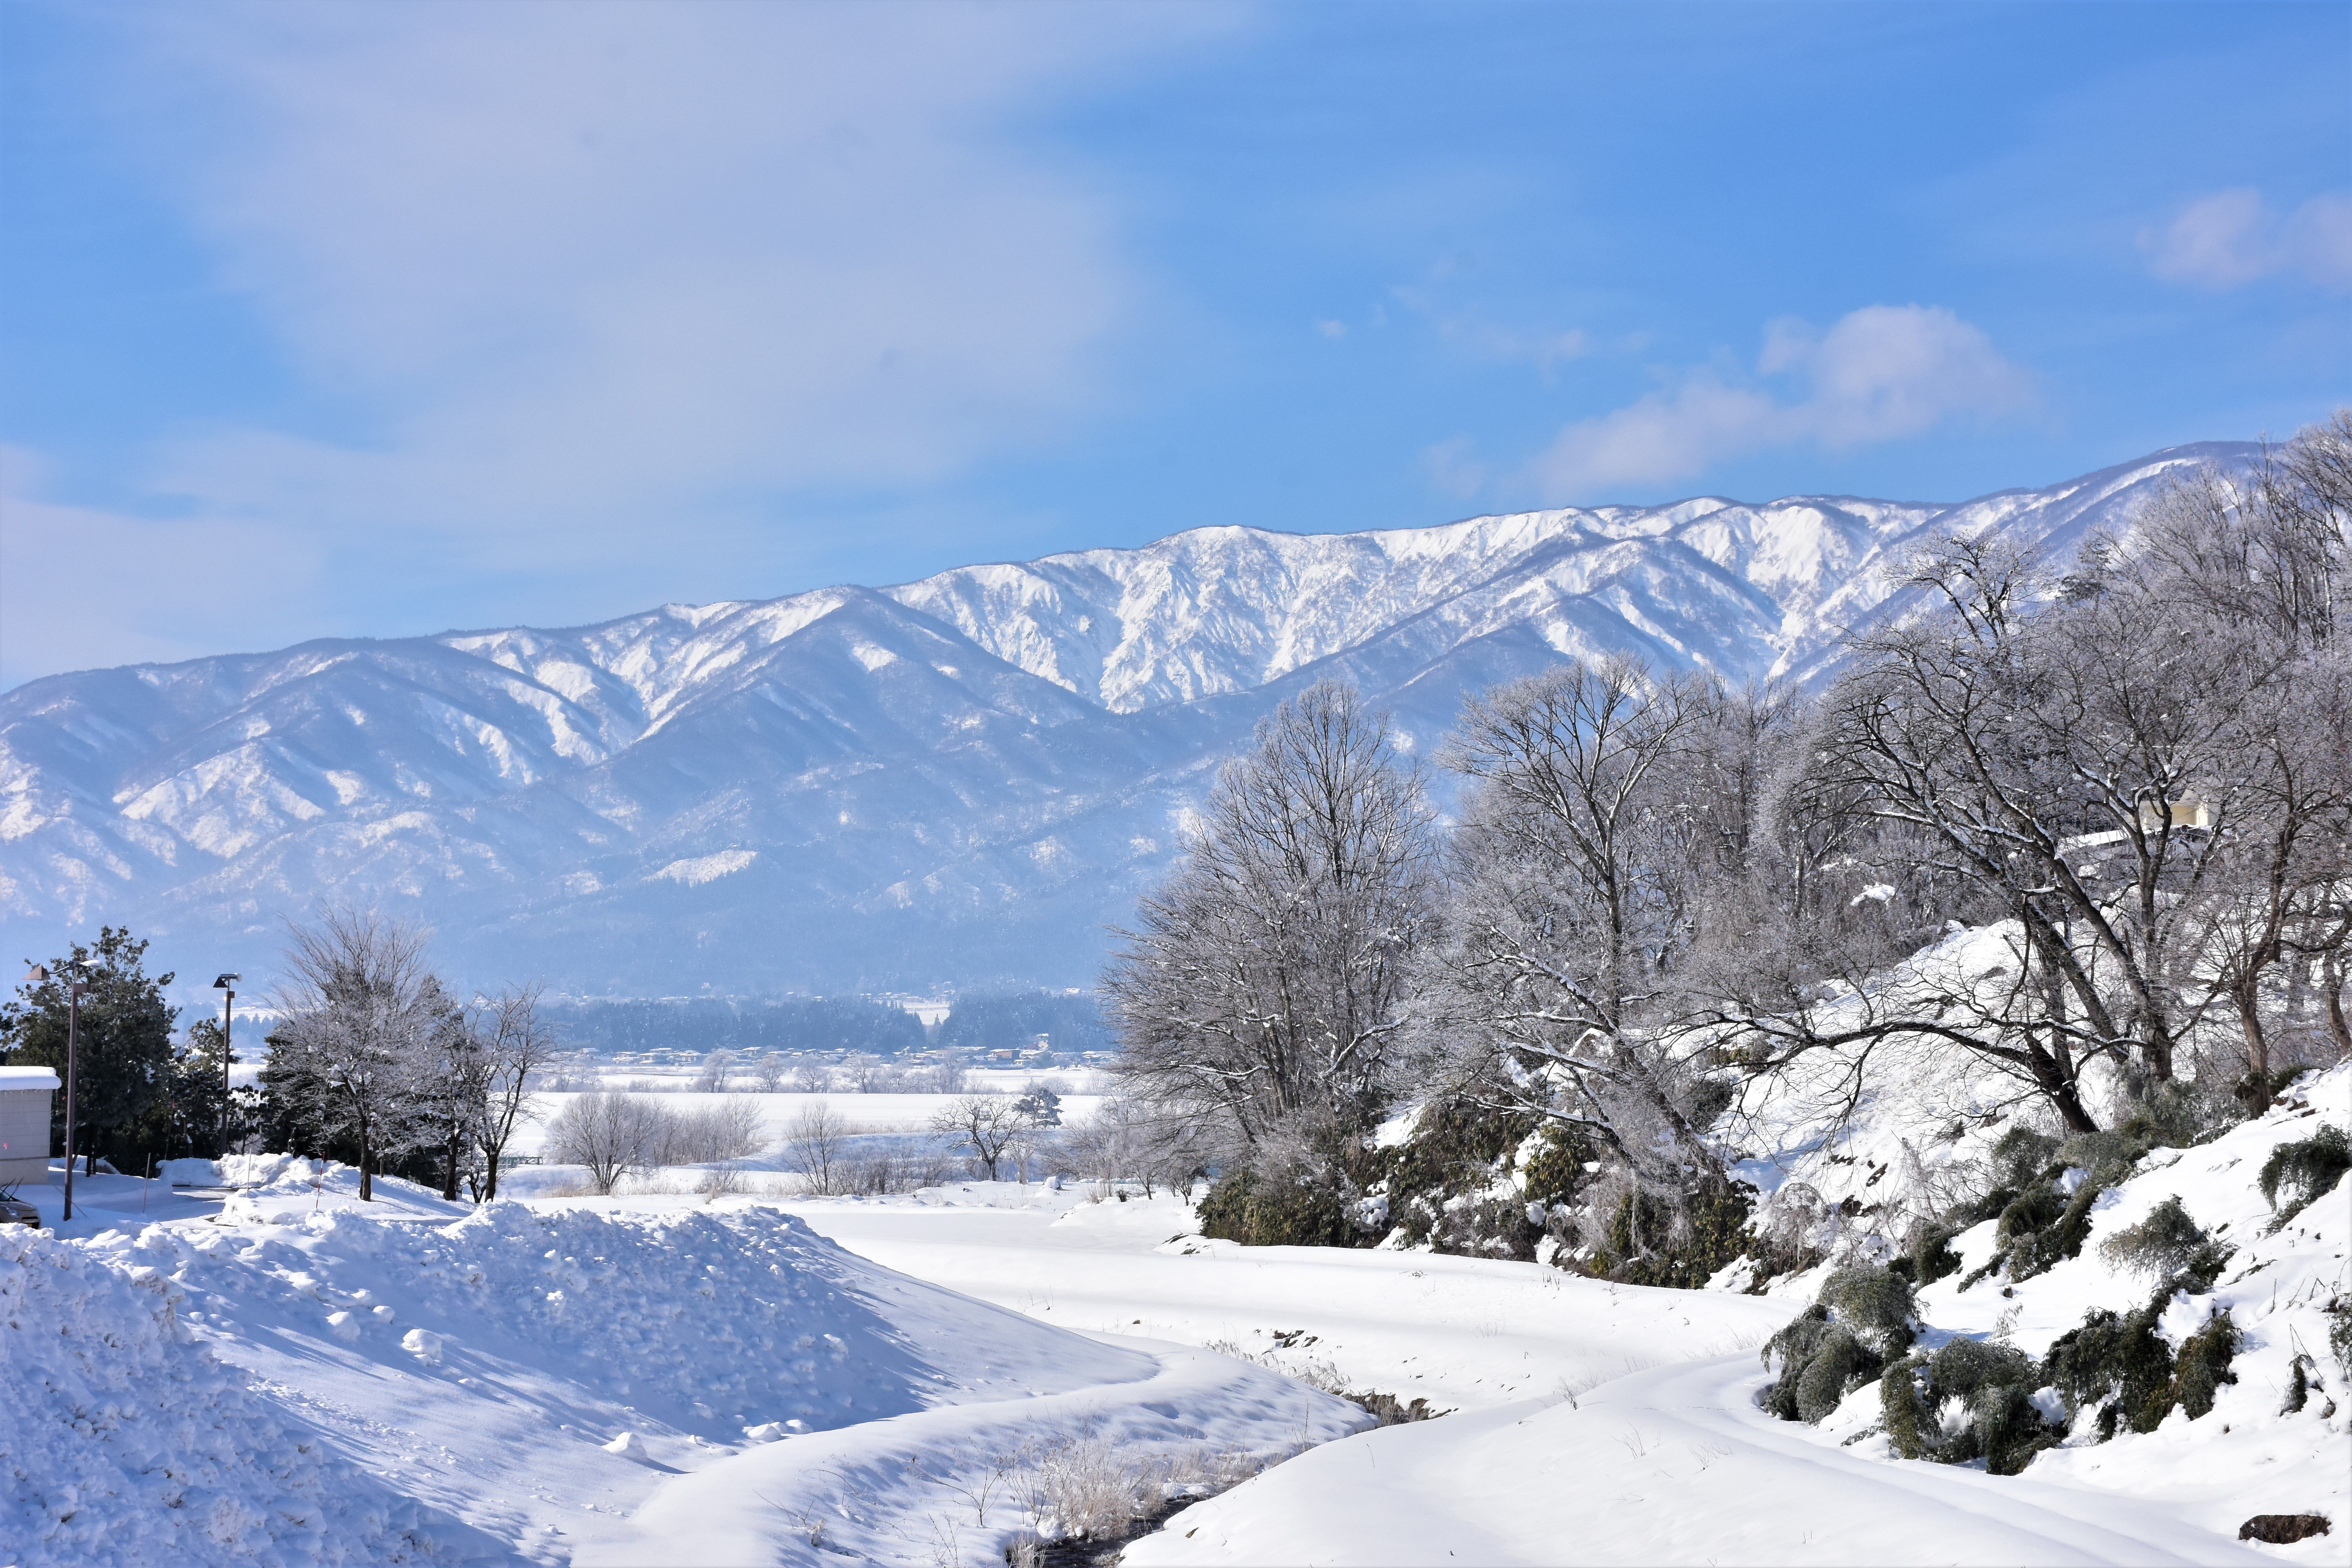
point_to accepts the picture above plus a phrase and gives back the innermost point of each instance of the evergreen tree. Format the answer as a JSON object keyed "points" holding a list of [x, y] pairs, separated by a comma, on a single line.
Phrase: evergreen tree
{"points": [[124, 1048]]}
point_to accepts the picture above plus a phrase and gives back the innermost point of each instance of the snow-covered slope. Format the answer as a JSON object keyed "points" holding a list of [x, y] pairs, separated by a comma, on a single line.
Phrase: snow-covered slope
{"points": [[1678, 1464], [959, 780]]}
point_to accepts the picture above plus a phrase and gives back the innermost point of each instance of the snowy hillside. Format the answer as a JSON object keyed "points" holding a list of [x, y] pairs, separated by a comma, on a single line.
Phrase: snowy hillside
{"points": [[958, 780], [1685, 1467]]}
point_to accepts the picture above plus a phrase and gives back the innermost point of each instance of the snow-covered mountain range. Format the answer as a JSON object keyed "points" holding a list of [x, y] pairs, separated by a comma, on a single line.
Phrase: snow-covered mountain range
{"points": [[960, 781]]}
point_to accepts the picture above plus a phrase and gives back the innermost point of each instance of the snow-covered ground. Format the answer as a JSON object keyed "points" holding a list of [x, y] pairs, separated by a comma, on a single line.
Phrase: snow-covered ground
{"points": [[857, 1112], [284, 1374], [1463, 1333], [1678, 1464]]}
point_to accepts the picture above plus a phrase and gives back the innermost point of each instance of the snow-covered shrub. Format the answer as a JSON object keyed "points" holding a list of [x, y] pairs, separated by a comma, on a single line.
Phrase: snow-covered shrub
{"points": [[2020, 1156], [1930, 1256], [1449, 1184], [1875, 1305], [2304, 1170], [1863, 1317], [1968, 1400], [2123, 1366], [1289, 1210], [1677, 1237], [2204, 1363], [2119, 1365], [2167, 1244]]}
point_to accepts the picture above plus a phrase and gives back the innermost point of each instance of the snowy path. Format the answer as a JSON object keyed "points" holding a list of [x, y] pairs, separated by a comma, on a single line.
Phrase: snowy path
{"points": [[1674, 1465], [1465, 1334]]}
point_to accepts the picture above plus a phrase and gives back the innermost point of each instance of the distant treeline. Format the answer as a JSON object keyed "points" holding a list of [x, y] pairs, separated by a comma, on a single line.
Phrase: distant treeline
{"points": [[997, 1023], [813, 1023], [825, 1023]]}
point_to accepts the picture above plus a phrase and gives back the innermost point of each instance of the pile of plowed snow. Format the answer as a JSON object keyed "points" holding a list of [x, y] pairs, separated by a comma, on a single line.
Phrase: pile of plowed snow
{"points": [[124, 1442], [704, 1323], [541, 1374]]}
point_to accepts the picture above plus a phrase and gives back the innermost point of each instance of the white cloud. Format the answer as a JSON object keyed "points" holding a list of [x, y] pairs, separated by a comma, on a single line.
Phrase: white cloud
{"points": [[1453, 467], [583, 269], [81, 587], [2232, 237], [1879, 373]]}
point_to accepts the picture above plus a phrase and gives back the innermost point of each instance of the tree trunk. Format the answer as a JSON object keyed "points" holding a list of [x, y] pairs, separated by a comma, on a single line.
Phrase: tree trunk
{"points": [[2332, 979], [450, 1173], [2249, 1023], [367, 1178], [491, 1179]]}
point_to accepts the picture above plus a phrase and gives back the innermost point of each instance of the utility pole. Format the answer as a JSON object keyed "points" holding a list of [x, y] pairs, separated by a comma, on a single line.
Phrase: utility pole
{"points": [[37, 974], [226, 984]]}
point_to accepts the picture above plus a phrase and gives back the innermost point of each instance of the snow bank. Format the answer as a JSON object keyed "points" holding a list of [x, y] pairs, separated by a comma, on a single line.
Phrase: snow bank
{"points": [[1672, 1464], [124, 1442], [1684, 1467], [235, 1171], [704, 1323]]}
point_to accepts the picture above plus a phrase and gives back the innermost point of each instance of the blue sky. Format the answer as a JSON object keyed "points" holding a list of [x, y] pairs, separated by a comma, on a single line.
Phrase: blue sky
{"points": [[377, 319]]}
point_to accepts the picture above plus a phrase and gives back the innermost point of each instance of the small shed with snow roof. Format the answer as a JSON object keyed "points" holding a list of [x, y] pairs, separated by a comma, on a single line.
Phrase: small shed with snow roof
{"points": [[25, 1124]]}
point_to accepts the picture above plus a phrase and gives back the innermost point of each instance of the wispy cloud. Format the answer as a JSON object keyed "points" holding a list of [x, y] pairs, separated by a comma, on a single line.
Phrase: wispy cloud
{"points": [[2232, 237], [1881, 373], [578, 268], [83, 586]]}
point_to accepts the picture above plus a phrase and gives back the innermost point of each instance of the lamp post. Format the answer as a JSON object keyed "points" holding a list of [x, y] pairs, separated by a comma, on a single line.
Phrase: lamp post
{"points": [[227, 985], [37, 974]]}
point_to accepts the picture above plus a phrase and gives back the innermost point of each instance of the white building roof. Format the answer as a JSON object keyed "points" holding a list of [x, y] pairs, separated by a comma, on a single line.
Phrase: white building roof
{"points": [[27, 1078]]}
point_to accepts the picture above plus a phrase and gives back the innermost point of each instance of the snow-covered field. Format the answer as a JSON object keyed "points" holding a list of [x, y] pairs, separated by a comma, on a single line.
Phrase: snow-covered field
{"points": [[284, 1375], [857, 1112]]}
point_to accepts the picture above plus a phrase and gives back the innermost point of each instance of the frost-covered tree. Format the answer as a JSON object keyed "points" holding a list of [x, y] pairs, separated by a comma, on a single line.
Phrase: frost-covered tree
{"points": [[608, 1135], [1265, 982], [359, 1011], [517, 1049], [986, 1124], [1568, 900], [816, 1145]]}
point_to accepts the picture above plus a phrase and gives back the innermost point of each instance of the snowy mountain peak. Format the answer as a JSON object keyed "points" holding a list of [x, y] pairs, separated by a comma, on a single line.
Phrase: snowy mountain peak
{"points": [[961, 779]]}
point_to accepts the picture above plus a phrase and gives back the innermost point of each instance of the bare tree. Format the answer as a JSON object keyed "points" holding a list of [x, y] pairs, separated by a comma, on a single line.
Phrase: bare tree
{"points": [[358, 1004], [1569, 899], [716, 1068], [609, 1135], [816, 1142], [870, 1074], [2140, 767], [516, 1050], [1266, 979], [987, 1124]]}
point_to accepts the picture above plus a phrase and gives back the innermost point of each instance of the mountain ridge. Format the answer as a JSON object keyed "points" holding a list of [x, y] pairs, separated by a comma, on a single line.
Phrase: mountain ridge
{"points": [[958, 780]]}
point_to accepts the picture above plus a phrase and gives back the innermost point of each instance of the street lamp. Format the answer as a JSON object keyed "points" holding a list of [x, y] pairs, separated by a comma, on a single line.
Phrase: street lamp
{"points": [[227, 985], [38, 975]]}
